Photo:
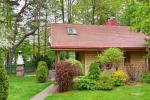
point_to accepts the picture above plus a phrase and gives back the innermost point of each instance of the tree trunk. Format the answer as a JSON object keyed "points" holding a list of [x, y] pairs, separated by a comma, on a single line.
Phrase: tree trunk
{"points": [[62, 10], [11, 56]]}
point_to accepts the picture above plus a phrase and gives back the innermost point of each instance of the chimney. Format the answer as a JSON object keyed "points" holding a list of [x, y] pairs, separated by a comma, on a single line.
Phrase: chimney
{"points": [[112, 22]]}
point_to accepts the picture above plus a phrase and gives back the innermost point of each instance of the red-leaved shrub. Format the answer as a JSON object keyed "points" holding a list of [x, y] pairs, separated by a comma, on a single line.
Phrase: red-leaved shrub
{"points": [[64, 75]]}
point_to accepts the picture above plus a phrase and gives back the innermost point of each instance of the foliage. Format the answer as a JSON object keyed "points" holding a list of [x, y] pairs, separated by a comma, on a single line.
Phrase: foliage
{"points": [[111, 56], [39, 57], [145, 78], [96, 11], [94, 71], [76, 63], [106, 82], [137, 16], [85, 84], [4, 85], [42, 72], [120, 77], [65, 73]]}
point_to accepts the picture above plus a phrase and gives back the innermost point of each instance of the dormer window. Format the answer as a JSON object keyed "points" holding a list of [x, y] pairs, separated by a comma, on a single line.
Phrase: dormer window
{"points": [[71, 31]]}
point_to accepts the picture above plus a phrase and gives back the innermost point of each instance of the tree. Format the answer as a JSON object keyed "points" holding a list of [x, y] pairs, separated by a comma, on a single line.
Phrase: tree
{"points": [[137, 15], [111, 56]]}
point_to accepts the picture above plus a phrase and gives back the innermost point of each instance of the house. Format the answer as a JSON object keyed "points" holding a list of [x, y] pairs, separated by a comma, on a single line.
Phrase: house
{"points": [[87, 41]]}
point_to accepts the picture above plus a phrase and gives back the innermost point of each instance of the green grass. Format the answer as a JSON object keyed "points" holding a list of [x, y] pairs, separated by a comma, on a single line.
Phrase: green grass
{"points": [[23, 88], [120, 93]]}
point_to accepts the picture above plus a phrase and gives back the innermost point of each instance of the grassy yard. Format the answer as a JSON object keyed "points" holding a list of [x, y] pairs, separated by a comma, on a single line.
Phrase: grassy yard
{"points": [[120, 93], [23, 88]]}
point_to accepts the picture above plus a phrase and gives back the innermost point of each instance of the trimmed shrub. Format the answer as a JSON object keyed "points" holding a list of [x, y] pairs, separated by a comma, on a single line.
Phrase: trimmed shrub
{"points": [[4, 84], [94, 71], [112, 56], [120, 77], [145, 78], [76, 63], [42, 72], [64, 75], [105, 83], [85, 84]]}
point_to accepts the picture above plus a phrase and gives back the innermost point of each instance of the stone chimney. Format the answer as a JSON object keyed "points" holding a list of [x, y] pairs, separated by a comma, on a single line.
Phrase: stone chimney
{"points": [[112, 22]]}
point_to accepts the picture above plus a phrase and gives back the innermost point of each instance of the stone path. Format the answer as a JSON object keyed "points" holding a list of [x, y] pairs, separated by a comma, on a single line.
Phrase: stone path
{"points": [[43, 94]]}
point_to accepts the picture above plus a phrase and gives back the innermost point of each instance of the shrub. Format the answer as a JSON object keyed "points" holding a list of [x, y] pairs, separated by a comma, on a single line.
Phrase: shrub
{"points": [[38, 57], [112, 56], [94, 71], [64, 75], [76, 63], [4, 85], [120, 77], [145, 78], [134, 71], [42, 72], [85, 84], [105, 83]]}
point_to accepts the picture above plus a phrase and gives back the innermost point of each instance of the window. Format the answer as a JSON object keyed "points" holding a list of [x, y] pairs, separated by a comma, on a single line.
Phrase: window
{"points": [[71, 31]]}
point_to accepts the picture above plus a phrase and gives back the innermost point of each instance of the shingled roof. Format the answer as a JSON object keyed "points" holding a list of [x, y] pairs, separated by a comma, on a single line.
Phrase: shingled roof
{"points": [[95, 37]]}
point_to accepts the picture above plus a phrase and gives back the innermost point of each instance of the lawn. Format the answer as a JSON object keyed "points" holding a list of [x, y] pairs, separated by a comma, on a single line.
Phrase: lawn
{"points": [[141, 92], [23, 88]]}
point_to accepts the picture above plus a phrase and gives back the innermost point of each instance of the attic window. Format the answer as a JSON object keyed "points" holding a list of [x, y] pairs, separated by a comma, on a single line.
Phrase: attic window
{"points": [[71, 31]]}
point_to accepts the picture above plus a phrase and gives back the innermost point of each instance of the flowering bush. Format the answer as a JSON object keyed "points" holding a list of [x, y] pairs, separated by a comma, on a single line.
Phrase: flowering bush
{"points": [[120, 77]]}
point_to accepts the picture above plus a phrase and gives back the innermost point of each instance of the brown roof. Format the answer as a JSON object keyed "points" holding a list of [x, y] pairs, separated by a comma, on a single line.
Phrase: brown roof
{"points": [[95, 37]]}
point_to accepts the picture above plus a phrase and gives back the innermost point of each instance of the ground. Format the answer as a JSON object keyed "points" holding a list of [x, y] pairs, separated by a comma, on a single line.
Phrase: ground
{"points": [[23, 88], [141, 92]]}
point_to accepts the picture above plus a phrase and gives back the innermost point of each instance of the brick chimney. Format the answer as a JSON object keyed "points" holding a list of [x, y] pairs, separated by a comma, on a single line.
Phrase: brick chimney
{"points": [[112, 22]]}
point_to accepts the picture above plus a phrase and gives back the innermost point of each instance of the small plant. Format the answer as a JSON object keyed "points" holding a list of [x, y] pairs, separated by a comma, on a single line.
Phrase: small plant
{"points": [[65, 73], [85, 84], [112, 56], [4, 85], [94, 71], [120, 77], [42, 72], [145, 78], [105, 82], [76, 63]]}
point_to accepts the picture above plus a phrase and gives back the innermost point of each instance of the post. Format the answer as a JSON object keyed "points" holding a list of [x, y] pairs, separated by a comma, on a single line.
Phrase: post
{"points": [[20, 65]]}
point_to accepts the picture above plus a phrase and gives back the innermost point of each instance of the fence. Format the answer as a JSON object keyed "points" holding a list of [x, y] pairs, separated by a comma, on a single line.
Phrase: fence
{"points": [[12, 69]]}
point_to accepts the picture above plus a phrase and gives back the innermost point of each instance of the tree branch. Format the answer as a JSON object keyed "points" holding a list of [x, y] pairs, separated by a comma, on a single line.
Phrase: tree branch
{"points": [[25, 36]]}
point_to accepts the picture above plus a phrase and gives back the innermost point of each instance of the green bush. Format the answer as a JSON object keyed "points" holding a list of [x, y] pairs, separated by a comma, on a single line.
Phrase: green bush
{"points": [[38, 57], [4, 85], [145, 78], [112, 56], [42, 72], [105, 83], [76, 63], [94, 71], [85, 84]]}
